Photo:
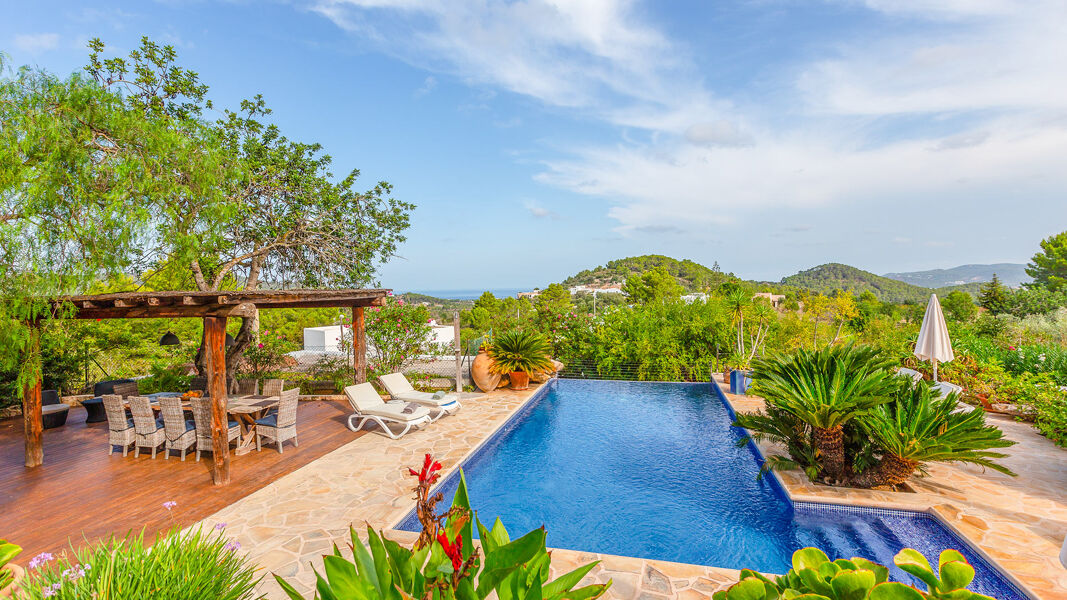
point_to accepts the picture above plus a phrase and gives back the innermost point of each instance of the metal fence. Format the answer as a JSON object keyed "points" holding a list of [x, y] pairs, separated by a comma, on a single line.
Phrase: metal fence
{"points": [[633, 371], [314, 370]]}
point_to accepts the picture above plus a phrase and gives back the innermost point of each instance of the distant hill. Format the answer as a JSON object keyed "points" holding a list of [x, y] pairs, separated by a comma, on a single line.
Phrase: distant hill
{"points": [[691, 275], [835, 276], [1011, 274]]}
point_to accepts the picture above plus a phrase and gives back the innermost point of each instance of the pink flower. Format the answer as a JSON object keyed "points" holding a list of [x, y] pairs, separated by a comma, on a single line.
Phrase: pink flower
{"points": [[169, 504], [40, 559], [260, 345]]}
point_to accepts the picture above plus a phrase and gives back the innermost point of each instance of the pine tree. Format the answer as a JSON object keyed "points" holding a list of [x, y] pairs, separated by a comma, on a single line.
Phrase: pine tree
{"points": [[994, 297], [1049, 267]]}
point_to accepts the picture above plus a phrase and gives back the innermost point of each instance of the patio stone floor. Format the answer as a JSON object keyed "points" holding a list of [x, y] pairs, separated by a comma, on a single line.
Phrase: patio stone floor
{"points": [[288, 525]]}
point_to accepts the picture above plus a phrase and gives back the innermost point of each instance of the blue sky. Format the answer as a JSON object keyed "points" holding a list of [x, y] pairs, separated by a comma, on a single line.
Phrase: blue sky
{"points": [[541, 138]]}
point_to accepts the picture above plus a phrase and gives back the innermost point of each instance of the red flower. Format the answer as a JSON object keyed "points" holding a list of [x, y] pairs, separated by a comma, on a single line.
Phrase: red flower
{"points": [[429, 472], [453, 551]]}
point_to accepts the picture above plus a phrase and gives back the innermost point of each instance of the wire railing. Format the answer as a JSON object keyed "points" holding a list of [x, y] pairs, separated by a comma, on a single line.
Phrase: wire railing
{"points": [[634, 371]]}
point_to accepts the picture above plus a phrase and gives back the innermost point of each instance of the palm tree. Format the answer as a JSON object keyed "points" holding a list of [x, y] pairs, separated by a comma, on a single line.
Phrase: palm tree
{"points": [[826, 389], [776, 425], [919, 427], [737, 301]]}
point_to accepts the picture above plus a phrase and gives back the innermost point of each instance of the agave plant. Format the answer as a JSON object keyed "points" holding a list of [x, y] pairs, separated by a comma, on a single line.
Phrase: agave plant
{"points": [[920, 427], [8, 551], [520, 351], [826, 389]]}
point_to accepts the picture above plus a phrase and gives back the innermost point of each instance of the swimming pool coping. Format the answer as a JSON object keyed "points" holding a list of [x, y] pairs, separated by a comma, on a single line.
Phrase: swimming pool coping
{"points": [[927, 510], [918, 507]]}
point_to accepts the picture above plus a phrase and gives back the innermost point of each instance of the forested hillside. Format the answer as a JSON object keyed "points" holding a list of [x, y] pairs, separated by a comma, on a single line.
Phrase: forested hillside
{"points": [[692, 275], [835, 276]]}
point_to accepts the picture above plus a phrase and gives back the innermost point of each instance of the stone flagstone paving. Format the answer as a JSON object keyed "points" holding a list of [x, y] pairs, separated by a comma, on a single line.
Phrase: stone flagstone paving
{"points": [[287, 526]]}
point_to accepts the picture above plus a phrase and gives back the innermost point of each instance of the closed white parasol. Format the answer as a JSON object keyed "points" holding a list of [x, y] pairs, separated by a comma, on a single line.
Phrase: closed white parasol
{"points": [[933, 343]]}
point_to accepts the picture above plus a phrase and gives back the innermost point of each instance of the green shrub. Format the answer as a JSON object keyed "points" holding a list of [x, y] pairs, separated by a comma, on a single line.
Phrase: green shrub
{"points": [[445, 564], [814, 576], [178, 566], [1041, 398]]}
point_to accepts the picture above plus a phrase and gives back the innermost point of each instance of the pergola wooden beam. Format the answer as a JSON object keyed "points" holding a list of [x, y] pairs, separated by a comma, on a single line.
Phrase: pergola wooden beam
{"points": [[214, 308]]}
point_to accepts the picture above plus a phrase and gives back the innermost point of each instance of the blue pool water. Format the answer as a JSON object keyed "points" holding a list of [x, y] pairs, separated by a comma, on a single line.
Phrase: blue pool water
{"points": [[653, 470]]}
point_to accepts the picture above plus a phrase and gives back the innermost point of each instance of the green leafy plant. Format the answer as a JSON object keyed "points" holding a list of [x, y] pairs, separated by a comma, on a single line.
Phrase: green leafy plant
{"points": [[266, 355], [920, 427], [397, 333], [826, 389], [815, 577], [444, 563], [520, 351], [177, 566], [8, 552]]}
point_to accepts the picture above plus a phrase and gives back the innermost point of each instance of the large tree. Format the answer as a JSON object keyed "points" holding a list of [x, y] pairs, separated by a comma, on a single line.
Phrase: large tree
{"points": [[1049, 267], [83, 162], [120, 168]]}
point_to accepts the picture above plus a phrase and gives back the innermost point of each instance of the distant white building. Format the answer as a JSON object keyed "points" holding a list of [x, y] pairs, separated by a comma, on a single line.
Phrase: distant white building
{"points": [[442, 335], [323, 339], [595, 289], [531, 295], [695, 296]]}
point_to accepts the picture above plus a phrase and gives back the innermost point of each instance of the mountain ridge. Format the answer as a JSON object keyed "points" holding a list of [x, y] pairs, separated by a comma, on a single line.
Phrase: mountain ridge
{"points": [[1011, 274]]}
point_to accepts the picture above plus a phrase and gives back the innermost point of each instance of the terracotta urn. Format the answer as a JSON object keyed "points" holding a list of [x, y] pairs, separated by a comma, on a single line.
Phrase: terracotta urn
{"points": [[485, 379], [17, 574], [520, 380]]}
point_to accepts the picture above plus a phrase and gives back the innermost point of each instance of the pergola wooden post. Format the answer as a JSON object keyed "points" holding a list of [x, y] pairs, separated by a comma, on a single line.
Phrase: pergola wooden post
{"points": [[359, 345], [214, 308], [32, 423], [215, 346]]}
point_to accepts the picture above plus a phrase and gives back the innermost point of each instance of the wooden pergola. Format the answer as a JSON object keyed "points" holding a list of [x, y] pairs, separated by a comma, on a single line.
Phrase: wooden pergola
{"points": [[214, 308]]}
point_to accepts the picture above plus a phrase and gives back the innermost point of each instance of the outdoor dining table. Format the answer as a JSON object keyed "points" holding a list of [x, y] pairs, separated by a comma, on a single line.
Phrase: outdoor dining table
{"points": [[247, 409]]}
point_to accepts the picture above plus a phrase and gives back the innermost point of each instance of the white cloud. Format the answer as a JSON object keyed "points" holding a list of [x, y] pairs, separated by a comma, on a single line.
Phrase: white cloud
{"points": [[975, 104], [597, 56], [540, 212], [36, 42], [427, 86]]}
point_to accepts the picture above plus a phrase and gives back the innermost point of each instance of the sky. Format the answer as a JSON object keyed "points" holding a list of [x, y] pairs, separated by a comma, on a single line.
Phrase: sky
{"points": [[541, 138]]}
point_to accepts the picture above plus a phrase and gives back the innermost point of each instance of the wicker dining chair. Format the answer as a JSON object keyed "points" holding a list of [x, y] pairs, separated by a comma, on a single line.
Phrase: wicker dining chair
{"points": [[126, 389], [181, 432], [280, 426], [120, 429], [273, 387], [202, 421], [148, 433], [247, 387]]}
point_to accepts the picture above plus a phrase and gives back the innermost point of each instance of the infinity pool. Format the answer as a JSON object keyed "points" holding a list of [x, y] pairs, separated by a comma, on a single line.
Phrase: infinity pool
{"points": [[652, 470]]}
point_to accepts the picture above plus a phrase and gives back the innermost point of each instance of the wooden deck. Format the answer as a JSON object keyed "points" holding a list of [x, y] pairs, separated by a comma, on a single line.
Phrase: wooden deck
{"points": [[82, 493]]}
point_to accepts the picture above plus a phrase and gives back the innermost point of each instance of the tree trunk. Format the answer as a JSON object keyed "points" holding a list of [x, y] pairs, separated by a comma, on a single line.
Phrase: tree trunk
{"points": [[830, 444], [892, 470]]}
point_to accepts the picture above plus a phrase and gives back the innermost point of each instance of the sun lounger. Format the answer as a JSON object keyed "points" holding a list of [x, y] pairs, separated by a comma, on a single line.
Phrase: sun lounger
{"points": [[912, 373], [399, 388], [367, 405]]}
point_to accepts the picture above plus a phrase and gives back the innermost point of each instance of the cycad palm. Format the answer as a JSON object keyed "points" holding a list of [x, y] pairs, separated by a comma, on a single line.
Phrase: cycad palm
{"points": [[919, 428], [826, 389]]}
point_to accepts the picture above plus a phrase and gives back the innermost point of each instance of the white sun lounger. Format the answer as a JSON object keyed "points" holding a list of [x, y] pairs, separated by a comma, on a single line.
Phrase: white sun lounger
{"points": [[399, 388], [912, 373], [369, 406]]}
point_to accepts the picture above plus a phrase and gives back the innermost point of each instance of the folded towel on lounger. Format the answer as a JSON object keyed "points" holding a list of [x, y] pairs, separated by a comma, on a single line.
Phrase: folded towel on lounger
{"points": [[410, 408]]}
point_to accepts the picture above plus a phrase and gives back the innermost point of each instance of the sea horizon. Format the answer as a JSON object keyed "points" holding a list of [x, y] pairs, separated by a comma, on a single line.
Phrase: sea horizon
{"points": [[467, 294]]}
